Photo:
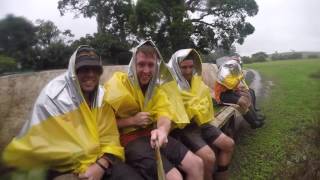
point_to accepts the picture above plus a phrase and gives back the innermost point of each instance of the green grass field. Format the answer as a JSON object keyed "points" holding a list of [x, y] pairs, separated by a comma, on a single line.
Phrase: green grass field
{"points": [[288, 146]]}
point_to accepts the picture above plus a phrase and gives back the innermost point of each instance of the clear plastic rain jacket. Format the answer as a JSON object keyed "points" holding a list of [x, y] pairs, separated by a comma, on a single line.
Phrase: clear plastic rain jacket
{"points": [[124, 94], [196, 96], [64, 133]]}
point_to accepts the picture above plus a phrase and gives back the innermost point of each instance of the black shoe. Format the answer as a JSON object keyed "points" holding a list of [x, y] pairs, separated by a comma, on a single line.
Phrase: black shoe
{"points": [[261, 117], [256, 124], [252, 118]]}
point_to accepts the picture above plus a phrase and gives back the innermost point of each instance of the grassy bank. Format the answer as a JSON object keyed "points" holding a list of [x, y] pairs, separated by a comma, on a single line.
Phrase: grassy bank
{"points": [[288, 146]]}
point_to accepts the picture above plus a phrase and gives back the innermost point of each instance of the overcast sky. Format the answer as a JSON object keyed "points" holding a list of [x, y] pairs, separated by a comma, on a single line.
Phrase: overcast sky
{"points": [[281, 25]]}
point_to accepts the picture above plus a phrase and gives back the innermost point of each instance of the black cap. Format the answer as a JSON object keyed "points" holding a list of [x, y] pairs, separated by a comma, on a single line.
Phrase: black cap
{"points": [[87, 56]]}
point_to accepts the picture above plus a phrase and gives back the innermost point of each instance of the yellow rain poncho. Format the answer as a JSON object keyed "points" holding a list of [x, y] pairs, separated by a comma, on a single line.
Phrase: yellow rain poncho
{"points": [[229, 77], [124, 94], [196, 96], [63, 133], [230, 74]]}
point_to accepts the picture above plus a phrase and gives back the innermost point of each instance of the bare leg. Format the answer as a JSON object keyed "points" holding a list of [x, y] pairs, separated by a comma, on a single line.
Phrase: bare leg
{"points": [[174, 174], [192, 165], [208, 158], [226, 147], [244, 104]]}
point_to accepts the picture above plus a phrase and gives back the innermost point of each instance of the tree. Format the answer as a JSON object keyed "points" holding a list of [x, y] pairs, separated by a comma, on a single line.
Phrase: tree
{"points": [[204, 25], [173, 24], [166, 22], [275, 56], [112, 16], [7, 64], [17, 37], [51, 51], [54, 56], [40, 46], [246, 59], [259, 57], [219, 52], [111, 50], [312, 56], [47, 33], [286, 55]]}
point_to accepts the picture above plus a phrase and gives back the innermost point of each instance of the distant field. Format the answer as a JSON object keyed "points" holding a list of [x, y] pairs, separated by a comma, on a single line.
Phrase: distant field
{"points": [[288, 146]]}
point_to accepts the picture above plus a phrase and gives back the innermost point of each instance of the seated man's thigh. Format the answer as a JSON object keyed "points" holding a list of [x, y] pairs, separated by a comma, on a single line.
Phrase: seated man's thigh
{"points": [[230, 97], [174, 151], [245, 93], [141, 156], [210, 133], [244, 102], [122, 171], [191, 137], [223, 142]]}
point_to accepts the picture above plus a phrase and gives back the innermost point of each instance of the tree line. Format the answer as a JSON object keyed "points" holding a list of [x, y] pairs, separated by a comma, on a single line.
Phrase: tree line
{"points": [[276, 56], [207, 25]]}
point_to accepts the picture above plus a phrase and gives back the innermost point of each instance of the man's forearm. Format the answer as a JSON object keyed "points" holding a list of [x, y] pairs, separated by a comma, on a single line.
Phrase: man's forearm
{"points": [[164, 124], [125, 122]]}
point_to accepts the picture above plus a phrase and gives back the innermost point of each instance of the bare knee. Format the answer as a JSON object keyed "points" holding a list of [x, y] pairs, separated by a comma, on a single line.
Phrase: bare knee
{"points": [[207, 155], [224, 143], [198, 162], [192, 164], [244, 102], [174, 174], [229, 144]]}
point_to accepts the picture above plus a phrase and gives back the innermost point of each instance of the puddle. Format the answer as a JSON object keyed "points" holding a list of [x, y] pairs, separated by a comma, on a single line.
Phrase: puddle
{"points": [[262, 89]]}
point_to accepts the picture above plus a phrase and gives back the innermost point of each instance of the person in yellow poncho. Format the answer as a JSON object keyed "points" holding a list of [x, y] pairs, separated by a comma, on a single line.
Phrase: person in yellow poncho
{"points": [[144, 113], [72, 128], [200, 136], [230, 87]]}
